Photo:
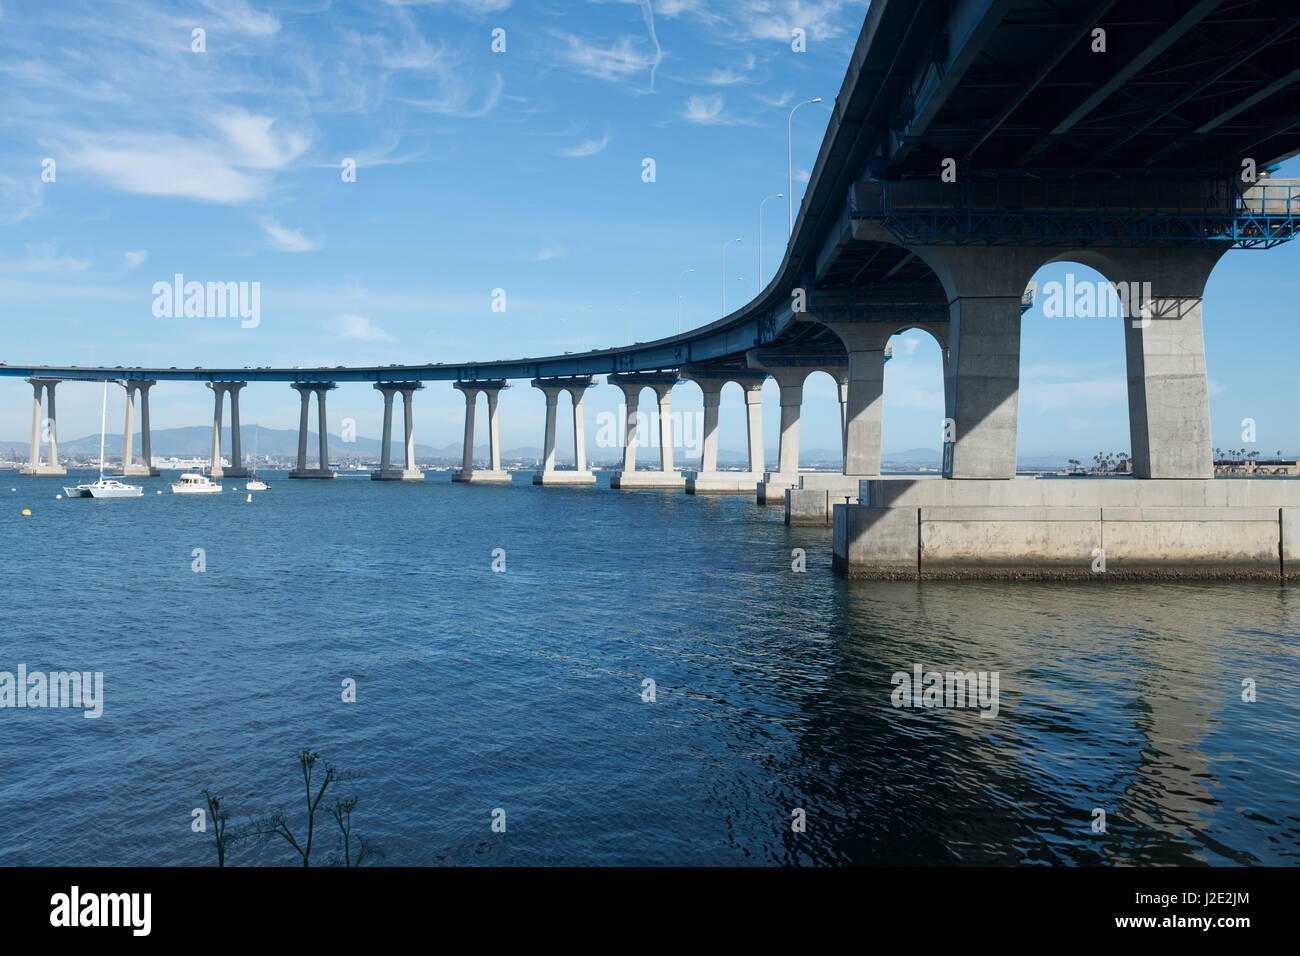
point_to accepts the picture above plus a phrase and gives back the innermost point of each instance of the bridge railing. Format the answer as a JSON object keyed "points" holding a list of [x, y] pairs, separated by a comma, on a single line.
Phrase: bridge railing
{"points": [[922, 212]]}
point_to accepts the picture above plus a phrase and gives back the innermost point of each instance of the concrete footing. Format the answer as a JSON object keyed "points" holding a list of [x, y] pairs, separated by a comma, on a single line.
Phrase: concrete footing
{"points": [[771, 490], [632, 480], [721, 482], [310, 473], [482, 476], [397, 474], [1070, 528], [38, 471], [136, 470], [811, 502], [564, 478]]}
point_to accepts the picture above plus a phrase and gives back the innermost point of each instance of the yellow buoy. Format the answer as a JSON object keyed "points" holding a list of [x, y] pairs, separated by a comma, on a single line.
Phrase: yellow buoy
{"points": [[27, 512]]}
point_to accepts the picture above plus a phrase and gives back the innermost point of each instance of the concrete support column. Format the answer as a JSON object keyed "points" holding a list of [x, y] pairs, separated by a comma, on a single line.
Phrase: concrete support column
{"points": [[631, 399], [1168, 393], [985, 286], [48, 423], [386, 442], [305, 394], [467, 454], [218, 390], [665, 396], [34, 453], [494, 473], [548, 446], [321, 428], [52, 448], [862, 393], [579, 429], [754, 426], [551, 388], [305, 391], [128, 427], [631, 384], [236, 452], [791, 404], [409, 472], [709, 453], [408, 423], [494, 430], [146, 445]]}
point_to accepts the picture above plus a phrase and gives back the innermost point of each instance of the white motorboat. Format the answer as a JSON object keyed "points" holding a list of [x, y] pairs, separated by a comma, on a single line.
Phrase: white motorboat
{"points": [[192, 484], [255, 483], [104, 487]]}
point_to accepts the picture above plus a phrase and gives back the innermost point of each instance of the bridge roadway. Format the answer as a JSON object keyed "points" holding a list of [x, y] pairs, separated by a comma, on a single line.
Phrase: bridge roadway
{"points": [[972, 142]]}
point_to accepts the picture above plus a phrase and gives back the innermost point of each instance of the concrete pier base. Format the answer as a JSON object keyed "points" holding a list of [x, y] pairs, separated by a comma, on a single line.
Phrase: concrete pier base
{"points": [[307, 473], [771, 490], [482, 476], [564, 478], [811, 502], [1097, 529], [631, 480], [397, 474], [42, 470], [137, 470], [721, 482]]}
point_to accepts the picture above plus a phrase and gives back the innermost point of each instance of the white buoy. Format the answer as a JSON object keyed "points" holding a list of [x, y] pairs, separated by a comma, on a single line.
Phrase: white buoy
{"points": [[250, 499], [57, 497], [158, 492]]}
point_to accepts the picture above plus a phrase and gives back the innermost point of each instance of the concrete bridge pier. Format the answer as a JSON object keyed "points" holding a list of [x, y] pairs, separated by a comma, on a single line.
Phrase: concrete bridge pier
{"points": [[386, 470], [51, 464], [322, 470], [708, 480], [494, 474], [236, 469], [629, 478], [577, 388], [145, 468]]}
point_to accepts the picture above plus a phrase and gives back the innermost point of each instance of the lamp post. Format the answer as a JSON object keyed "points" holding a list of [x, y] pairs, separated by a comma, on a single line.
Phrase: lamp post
{"points": [[760, 237], [629, 314], [724, 275], [789, 162], [679, 299]]}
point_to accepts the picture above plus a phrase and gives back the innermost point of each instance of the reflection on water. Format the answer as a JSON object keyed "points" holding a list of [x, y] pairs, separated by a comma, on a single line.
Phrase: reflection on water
{"points": [[523, 690]]}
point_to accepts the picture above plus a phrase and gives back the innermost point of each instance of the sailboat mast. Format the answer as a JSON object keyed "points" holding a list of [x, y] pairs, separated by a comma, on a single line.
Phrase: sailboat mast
{"points": [[103, 423]]}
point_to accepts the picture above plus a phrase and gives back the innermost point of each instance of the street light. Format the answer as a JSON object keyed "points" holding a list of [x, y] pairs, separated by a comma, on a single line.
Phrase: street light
{"points": [[789, 167], [760, 237], [724, 276], [629, 314], [679, 299]]}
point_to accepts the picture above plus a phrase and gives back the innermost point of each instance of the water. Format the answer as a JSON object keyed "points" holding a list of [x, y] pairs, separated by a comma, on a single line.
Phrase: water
{"points": [[522, 690]]}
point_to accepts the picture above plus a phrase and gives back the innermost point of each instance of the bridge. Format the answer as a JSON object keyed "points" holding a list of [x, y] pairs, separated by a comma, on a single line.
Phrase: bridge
{"points": [[971, 143]]}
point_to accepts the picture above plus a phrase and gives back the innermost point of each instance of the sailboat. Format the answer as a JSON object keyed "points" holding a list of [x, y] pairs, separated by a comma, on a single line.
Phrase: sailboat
{"points": [[255, 483], [104, 487]]}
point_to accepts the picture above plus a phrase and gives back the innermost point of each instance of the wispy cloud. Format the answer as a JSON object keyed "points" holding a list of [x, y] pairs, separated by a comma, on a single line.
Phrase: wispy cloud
{"points": [[351, 326], [547, 253], [288, 240], [617, 61], [135, 258], [43, 257], [776, 102], [241, 17], [588, 147], [729, 76], [704, 109]]}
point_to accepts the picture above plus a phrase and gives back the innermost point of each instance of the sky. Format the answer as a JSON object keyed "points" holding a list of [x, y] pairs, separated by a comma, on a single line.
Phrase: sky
{"points": [[477, 169]]}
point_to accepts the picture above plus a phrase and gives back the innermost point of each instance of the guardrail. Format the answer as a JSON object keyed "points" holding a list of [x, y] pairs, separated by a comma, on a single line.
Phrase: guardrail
{"points": [[924, 212]]}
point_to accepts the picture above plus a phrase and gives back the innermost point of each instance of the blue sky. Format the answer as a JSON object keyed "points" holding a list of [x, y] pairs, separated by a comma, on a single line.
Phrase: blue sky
{"points": [[476, 170]]}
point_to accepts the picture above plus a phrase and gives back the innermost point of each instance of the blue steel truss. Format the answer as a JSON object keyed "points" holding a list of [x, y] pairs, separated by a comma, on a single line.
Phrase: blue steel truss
{"points": [[1242, 215]]}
